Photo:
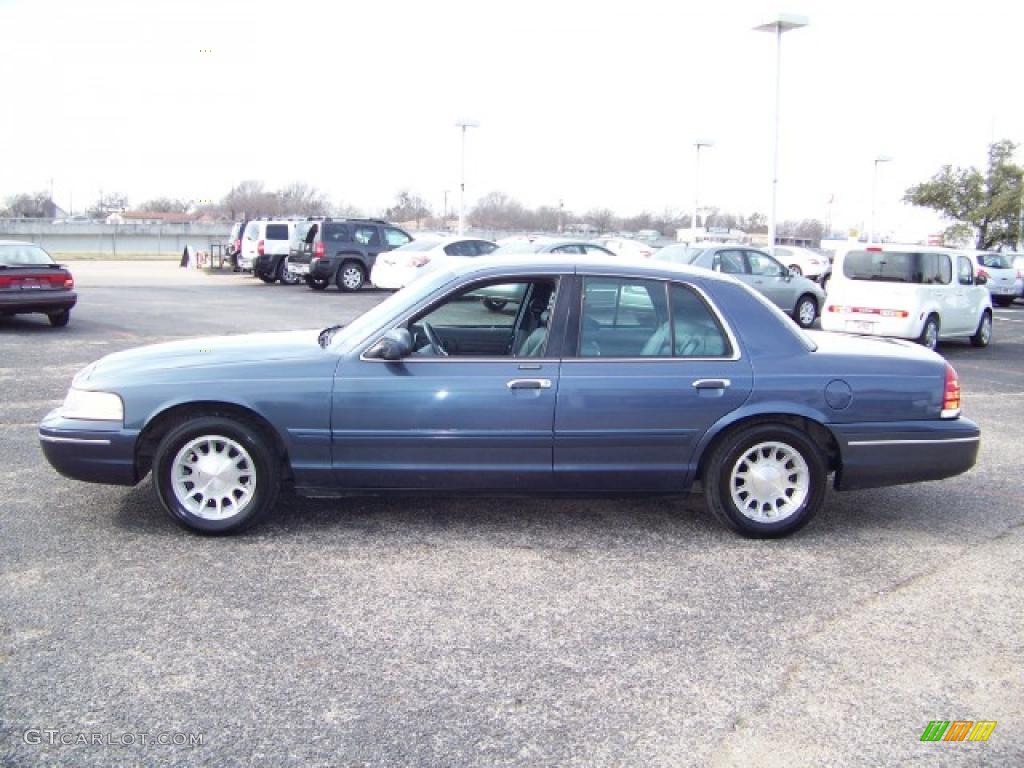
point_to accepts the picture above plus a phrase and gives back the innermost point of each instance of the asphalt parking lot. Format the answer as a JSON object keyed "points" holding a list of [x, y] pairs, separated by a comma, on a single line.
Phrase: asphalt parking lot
{"points": [[454, 632]]}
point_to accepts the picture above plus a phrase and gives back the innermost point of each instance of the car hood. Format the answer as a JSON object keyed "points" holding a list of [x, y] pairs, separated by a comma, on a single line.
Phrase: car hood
{"points": [[205, 352], [830, 343]]}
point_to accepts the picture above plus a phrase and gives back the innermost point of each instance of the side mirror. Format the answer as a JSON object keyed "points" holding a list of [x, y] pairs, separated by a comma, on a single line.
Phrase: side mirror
{"points": [[980, 280], [393, 345]]}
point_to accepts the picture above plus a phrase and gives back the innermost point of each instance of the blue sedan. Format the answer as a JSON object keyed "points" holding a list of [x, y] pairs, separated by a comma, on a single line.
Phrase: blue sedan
{"points": [[606, 376]]}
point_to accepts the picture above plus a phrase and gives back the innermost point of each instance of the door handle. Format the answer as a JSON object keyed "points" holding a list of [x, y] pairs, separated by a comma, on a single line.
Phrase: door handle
{"points": [[529, 384], [711, 384]]}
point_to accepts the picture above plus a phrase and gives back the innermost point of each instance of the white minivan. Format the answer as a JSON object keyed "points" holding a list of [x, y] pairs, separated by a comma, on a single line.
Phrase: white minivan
{"points": [[908, 292], [264, 237]]}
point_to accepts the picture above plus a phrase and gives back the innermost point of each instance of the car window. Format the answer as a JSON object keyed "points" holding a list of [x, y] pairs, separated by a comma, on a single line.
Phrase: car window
{"points": [[596, 250], [23, 255], [899, 267], [394, 237], [252, 230], [333, 232], [620, 316], [365, 235], [677, 254], [695, 330], [484, 247], [965, 271], [764, 265], [460, 248], [994, 261], [277, 232], [729, 262], [494, 320], [575, 249]]}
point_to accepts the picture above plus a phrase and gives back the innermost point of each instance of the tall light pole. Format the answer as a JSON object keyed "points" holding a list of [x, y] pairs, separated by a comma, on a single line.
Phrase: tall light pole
{"points": [[445, 219], [464, 124], [874, 196], [696, 185], [783, 22]]}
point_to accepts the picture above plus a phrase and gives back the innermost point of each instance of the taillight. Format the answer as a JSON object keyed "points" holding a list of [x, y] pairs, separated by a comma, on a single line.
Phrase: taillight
{"points": [[873, 249], [259, 247], [419, 260], [69, 282], [6, 282], [951, 394], [318, 250]]}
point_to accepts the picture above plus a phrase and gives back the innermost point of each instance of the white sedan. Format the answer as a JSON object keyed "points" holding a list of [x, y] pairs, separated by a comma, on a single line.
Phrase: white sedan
{"points": [[396, 269], [802, 261]]}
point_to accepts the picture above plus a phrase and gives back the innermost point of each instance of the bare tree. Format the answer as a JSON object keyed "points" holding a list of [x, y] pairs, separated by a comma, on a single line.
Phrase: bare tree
{"points": [[29, 206]]}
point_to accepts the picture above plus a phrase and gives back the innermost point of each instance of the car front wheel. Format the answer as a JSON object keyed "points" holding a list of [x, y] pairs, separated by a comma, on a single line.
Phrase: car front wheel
{"points": [[983, 335], [930, 333], [765, 481], [216, 475], [806, 311]]}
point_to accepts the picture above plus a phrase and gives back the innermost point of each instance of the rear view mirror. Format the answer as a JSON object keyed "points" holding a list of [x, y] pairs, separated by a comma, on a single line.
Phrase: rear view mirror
{"points": [[980, 280], [393, 345]]}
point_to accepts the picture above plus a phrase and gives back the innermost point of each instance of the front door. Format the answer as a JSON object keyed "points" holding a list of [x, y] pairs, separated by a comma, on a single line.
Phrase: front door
{"points": [[472, 407]]}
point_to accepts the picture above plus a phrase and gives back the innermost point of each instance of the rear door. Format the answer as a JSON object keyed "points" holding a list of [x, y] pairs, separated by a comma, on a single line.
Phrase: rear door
{"points": [[770, 278], [635, 397]]}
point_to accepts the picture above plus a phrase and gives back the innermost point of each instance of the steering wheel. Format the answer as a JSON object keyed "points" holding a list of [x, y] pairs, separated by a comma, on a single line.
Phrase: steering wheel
{"points": [[435, 342]]}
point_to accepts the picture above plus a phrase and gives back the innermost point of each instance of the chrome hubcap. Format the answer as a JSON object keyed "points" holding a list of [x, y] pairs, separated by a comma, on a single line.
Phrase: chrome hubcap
{"points": [[769, 482], [213, 477], [351, 277], [931, 336], [807, 312], [986, 329]]}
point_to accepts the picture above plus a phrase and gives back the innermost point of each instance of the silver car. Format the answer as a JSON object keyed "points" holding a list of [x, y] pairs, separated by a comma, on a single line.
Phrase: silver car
{"points": [[799, 297]]}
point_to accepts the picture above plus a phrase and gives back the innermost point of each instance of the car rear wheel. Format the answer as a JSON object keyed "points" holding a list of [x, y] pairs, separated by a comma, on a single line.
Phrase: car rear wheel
{"points": [[765, 481], [351, 276], [268, 279], [930, 333], [286, 277], [805, 311], [495, 305], [60, 319], [983, 336], [216, 475], [1002, 301]]}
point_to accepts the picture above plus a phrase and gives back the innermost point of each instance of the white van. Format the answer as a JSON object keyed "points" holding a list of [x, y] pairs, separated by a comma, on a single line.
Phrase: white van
{"points": [[908, 292], [264, 237]]}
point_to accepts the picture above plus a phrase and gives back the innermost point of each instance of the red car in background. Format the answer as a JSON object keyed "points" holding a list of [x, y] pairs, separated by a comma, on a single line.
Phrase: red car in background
{"points": [[30, 281]]}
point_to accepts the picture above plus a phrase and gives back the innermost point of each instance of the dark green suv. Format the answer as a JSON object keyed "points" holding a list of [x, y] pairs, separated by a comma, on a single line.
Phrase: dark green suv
{"points": [[340, 251]]}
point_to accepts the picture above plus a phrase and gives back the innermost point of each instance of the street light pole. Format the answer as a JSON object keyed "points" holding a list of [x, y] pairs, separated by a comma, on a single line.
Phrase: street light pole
{"points": [[464, 124], [874, 196], [783, 22], [696, 186]]}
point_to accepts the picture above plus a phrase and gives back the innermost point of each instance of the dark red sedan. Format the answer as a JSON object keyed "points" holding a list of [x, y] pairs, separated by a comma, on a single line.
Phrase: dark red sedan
{"points": [[30, 281]]}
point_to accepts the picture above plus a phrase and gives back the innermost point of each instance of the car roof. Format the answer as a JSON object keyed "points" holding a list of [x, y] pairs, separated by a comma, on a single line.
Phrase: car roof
{"points": [[549, 264], [18, 242]]}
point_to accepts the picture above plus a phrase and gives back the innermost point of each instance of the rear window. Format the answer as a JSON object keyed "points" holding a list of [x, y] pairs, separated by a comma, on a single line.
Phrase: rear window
{"points": [[302, 229], [899, 267], [26, 255], [994, 261], [277, 232]]}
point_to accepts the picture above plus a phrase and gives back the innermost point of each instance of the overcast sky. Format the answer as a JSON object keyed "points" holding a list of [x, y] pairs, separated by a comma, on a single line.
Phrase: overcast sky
{"points": [[594, 103]]}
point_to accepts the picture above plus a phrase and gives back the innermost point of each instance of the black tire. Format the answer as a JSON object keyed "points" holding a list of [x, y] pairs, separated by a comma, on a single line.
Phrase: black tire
{"points": [[284, 275], [983, 335], [268, 279], [824, 282], [806, 311], [930, 333], [734, 450], [495, 305], [317, 284], [351, 276], [265, 479], [1002, 301], [60, 319]]}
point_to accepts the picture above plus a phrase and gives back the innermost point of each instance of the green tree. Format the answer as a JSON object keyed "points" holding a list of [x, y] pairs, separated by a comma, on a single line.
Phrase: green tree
{"points": [[988, 202]]}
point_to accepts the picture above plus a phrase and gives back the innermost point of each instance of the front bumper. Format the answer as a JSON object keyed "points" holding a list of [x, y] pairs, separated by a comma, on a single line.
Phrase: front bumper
{"points": [[20, 302], [91, 451], [874, 455]]}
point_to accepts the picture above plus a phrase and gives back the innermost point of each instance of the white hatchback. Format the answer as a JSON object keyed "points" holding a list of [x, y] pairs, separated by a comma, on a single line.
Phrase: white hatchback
{"points": [[909, 292], [1000, 273], [399, 267]]}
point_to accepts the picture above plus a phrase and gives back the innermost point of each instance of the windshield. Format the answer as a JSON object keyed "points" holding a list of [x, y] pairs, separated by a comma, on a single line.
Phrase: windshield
{"points": [[676, 254], [378, 317], [23, 255], [898, 267], [994, 261]]}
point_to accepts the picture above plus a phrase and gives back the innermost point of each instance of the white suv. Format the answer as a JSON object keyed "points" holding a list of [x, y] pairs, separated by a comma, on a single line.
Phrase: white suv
{"points": [[909, 292], [264, 237]]}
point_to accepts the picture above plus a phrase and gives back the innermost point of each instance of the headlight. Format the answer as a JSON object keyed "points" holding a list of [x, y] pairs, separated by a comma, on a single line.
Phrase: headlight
{"points": [[92, 406]]}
